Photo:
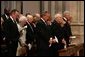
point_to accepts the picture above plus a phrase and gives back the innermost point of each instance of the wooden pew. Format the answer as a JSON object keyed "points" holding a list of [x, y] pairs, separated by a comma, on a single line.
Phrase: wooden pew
{"points": [[72, 50]]}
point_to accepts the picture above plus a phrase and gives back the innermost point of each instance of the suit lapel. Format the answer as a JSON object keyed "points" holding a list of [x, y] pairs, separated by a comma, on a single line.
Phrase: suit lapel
{"points": [[31, 28]]}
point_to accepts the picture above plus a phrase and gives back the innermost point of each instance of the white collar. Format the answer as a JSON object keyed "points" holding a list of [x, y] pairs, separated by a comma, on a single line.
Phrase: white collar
{"points": [[42, 19], [65, 18], [6, 16], [12, 18], [28, 23]]}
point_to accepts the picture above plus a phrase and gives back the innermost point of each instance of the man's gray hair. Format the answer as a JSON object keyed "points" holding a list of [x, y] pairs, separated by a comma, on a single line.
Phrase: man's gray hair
{"points": [[66, 12], [58, 14]]}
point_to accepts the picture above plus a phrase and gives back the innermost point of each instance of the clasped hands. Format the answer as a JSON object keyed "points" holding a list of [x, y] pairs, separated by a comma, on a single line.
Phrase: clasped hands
{"points": [[53, 40]]}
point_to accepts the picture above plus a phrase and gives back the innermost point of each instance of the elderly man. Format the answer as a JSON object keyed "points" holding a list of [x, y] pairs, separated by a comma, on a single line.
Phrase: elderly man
{"points": [[67, 18], [36, 17], [57, 32], [30, 35], [11, 32]]}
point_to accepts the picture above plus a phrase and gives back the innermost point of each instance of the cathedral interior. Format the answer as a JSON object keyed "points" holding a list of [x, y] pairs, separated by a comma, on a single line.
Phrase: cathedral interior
{"points": [[76, 9]]}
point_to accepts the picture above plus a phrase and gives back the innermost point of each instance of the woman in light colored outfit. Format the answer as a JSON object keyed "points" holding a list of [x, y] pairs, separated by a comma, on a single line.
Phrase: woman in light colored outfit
{"points": [[22, 30]]}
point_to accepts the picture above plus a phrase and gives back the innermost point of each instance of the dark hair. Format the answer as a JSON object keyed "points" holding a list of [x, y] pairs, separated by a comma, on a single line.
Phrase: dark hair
{"points": [[14, 10], [6, 11], [44, 13], [28, 14]]}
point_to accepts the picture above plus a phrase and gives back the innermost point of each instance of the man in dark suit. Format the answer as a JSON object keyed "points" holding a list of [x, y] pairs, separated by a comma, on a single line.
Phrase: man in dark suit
{"points": [[4, 17], [57, 31], [67, 33], [30, 34], [43, 35], [11, 32], [67, 18], [3, 41]]}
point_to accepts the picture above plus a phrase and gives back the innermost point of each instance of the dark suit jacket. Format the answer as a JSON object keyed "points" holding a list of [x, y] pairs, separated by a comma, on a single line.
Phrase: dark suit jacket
{"points": [[68, 27], [67, 32], [61, 32], [11, 30], [57, 30], [4, 17], [43, 35], [30, 34], [12, 35], [2, 36]]}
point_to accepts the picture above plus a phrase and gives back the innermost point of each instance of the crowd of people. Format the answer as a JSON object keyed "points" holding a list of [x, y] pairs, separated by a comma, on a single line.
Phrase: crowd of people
{"points": [[34, 35]]}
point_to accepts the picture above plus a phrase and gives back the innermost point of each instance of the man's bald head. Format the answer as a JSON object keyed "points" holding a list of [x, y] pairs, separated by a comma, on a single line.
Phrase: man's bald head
{"points": [[30, 18]]}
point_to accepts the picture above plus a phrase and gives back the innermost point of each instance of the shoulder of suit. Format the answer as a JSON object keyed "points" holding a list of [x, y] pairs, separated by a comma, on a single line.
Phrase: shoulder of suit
{"points": [[9, 19], [39, 21], [2, 15], [54, 22]]}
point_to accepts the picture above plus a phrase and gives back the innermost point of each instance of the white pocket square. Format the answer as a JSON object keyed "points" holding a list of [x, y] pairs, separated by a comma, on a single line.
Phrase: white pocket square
{"points": [[56, 39]]}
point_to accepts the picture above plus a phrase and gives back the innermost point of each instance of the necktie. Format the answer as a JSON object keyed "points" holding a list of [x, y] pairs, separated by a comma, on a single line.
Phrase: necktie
{"points": [[15, 22], [45, 23], [31, 27]]}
